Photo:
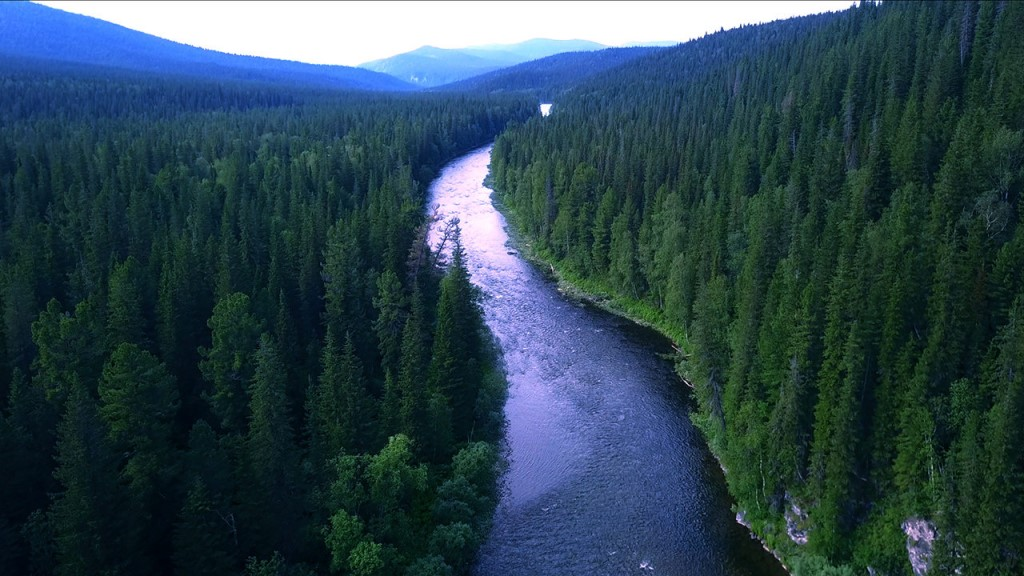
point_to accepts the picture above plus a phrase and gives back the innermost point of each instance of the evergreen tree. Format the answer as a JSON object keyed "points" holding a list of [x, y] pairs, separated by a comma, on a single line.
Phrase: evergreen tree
{"points": [[228, 364], [456, 341], [201, 543], [70, 349], [337, 413], [412, 386], [90, 515], [126, 321], [138, 401], [389, 303], [271, 458]]}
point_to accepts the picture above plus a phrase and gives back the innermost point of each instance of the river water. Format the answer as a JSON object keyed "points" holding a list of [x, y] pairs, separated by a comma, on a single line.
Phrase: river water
{"points": [[606, 474]]}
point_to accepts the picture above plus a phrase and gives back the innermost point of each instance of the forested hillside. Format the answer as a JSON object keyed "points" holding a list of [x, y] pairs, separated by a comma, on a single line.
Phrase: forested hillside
{"points": [[826, 213], [226, 346], [429, 66], [33, 31], [547, 77]]}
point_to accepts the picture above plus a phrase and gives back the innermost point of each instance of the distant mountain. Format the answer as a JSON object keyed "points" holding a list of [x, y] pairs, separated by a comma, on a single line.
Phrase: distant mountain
{"points": [[537, 48], [548, 76], [38, 32], [429, 66]]}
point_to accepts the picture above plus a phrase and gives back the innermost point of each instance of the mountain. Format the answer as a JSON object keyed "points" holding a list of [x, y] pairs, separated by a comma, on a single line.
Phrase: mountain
{"points": [[549, 76], [33, 31], [536, 48], [827, 214], [430, 66]]}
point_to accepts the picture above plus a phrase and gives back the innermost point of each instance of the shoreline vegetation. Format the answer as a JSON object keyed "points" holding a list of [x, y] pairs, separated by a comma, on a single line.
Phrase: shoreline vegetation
{"points": [[593, 294], [830, 207], [227, 346]]}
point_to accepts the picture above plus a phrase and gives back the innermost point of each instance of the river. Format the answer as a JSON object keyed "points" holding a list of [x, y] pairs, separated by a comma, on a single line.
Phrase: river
{"points": [[606, 474]]}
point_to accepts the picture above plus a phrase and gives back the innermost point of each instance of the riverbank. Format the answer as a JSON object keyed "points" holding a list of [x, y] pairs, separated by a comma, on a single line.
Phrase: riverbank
{"points": [[585, 291], [588, 407], [592, 293]]}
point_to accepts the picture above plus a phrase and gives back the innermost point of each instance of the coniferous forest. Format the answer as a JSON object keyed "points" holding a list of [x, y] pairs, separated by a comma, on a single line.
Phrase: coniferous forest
{"points": [[825, 213], [226, 345], [227, 348]]}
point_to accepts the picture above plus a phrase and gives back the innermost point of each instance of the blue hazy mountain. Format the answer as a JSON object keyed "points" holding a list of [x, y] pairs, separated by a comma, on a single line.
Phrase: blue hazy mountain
{"points": [[34, 31], [548, 76], [430, 66]]}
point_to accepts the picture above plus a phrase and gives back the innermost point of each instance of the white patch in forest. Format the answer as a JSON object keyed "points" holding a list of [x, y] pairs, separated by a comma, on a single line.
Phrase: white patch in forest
{"points": [[545, 109], [920, 536], [796, 522]]}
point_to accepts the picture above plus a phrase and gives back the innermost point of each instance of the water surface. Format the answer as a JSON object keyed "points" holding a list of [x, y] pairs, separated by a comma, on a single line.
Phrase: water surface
{"points": [[606, 473]]}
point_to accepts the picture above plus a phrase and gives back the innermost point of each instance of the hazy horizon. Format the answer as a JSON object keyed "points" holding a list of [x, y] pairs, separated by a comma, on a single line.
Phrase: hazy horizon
{"points": [[318, 32]]}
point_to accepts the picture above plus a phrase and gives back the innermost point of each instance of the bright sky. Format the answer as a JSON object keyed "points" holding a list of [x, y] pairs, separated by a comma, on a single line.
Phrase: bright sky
{"points": [[351, 33]]}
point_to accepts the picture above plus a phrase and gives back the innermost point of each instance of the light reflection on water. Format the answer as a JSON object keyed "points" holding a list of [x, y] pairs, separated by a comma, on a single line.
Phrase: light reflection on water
{"points": [[606, 473]]}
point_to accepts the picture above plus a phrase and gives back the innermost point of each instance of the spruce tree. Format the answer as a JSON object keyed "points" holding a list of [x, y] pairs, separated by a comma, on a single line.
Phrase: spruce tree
{"points": [[228, 364]]}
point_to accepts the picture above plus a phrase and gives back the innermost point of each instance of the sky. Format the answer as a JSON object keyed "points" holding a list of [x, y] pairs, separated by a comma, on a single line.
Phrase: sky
{"points": [[351, 33]]}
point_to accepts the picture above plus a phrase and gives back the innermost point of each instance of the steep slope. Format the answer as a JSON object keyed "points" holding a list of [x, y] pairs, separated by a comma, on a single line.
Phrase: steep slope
{"points": [[177, 256], [826, 213], [430, 66], [34, 31], [550, 76]]}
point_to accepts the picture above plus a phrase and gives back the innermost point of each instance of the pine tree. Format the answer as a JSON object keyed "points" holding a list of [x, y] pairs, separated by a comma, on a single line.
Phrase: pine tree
{"points": [[138, 402], [228, 364], [270, 456], [412, 385], [456, 342], [202, 545], [89, 516], [993, 544], [70, 349], [389, 303], [126, 321], [337, 415]]}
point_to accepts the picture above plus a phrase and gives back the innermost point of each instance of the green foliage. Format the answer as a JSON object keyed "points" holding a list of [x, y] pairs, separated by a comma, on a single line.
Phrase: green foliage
{"points": [[389, 304], [276, 565], [344, 534], [823, 212], [429, 566], [139, 399], [202, 543], [392, 479], [69, 347], [271, 456], [228, 364], [457, 345], [125, 319], [337, 404], [152, 230], [818, 566], [89, 517], [456, 543], [367, 559]]}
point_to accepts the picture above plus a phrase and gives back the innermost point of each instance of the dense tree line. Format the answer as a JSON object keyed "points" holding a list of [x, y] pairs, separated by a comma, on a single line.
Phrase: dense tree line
{"points": [[226, 346], [827, 212]]}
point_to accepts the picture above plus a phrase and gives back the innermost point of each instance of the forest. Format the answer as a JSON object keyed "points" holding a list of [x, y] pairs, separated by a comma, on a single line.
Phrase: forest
{"points": [[825, 215], [226, 345]]}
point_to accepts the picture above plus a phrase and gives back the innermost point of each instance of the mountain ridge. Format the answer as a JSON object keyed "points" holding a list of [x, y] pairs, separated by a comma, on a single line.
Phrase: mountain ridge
{"points": [[34, 31], [551, 75], [430, 66]]}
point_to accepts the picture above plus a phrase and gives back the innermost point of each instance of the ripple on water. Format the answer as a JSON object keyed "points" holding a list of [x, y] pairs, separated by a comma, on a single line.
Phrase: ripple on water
{"points": [[606, 473]]}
